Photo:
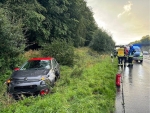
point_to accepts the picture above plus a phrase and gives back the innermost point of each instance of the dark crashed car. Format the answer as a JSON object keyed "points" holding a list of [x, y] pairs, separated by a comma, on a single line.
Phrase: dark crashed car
{"points": [[35, 77]]}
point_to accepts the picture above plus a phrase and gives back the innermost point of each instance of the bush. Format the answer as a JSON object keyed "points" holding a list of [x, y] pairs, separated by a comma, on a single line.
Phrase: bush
{"points": [[102, 42], [12, 41], [60, 49], [32, 53]]}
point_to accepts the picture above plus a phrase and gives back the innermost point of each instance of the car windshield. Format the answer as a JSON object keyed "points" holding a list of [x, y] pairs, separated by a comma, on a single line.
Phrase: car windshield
{"points": [[36, 64], [137, 49]]}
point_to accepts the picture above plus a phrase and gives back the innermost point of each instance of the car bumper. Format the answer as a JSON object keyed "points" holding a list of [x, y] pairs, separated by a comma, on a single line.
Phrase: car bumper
{"points": [[27, 88], [138, 58]]}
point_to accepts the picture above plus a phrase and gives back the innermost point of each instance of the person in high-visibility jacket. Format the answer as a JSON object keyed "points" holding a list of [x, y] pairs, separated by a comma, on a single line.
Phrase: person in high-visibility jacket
{"points": [[130, 55], [120, 55]]}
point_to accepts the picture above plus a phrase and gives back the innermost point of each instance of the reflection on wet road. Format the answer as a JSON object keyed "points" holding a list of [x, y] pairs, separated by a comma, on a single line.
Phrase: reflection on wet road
{"points": [[135, 89]]}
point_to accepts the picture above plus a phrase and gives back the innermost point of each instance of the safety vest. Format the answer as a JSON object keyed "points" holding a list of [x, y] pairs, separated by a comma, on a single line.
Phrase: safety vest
{"points": [[121, 52]]}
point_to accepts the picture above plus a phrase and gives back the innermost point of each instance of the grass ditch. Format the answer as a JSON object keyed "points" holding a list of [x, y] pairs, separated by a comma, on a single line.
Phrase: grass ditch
{"points": [[87, 87]]}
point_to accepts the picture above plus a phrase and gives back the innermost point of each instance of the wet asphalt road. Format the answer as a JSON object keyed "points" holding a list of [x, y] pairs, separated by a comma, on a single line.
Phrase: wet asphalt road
{"points": [[133, 96]]}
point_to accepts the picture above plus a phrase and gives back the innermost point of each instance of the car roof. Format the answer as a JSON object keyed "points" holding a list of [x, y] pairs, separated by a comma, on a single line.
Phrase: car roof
{"points": [[136, 47], [41, 58]]}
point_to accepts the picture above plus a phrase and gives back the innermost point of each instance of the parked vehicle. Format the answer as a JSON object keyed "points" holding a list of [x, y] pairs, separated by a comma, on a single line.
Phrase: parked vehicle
{"points": [[145, 53], [34, 77], [138, 55]]}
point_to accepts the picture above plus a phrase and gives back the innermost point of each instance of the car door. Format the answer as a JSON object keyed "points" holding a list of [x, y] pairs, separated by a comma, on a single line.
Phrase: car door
{"points": [[56, 67]]}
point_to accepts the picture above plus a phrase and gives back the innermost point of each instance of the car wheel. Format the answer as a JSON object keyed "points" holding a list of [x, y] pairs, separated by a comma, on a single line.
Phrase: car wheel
{"points": [[141, 61]]}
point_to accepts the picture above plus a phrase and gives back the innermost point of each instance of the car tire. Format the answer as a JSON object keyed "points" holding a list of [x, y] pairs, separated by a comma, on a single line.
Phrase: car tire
{"points": [[141, 61]]}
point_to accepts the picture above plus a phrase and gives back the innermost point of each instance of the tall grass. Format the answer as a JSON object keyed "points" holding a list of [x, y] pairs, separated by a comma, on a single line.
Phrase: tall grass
{"points": [[88, 87]]}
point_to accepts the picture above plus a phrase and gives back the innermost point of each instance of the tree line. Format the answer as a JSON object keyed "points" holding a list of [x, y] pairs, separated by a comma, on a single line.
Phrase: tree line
{"points": [[30, 24], [144, 42]]}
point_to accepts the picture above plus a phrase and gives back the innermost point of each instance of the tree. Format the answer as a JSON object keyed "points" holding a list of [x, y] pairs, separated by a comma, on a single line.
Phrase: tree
{"points": [[102, 42], [12, 41], [61, 49], [69, 19], [145, 39], [84, 25], [144, 42], [29, 11]]}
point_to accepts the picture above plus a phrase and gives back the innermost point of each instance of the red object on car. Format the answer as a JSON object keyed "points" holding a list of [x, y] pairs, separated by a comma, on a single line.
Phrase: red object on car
{"points": [[118, 79], [16, 69], [44, 91]]}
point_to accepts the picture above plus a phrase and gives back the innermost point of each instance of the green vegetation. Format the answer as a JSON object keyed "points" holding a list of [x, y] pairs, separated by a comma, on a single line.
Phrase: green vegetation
{"points": [[100, 40], [42, 21], [12, 41], [60, 49], [30, 24], [144, 41], [87, 87], [58, 28]]}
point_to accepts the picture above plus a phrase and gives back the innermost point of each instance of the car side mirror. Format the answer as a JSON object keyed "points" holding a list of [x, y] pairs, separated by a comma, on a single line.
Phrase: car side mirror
{"points": [[16, 69]]}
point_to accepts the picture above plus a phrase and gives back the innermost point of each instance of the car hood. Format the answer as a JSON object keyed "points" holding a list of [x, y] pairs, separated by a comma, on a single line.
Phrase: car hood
{"points": [[137, 53], [29, 73]]}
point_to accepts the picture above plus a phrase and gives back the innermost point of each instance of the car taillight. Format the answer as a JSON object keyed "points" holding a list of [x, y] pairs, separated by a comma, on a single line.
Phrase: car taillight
{"points": [[44, 91]]}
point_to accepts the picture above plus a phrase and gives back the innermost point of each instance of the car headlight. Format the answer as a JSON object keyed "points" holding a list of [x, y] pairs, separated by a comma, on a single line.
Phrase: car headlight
{"points": [[141, 54], [43, 78], [8, 81]]}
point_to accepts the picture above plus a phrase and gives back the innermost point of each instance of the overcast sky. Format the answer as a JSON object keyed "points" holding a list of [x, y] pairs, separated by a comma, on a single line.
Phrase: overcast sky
{"points": [[127, 21]]}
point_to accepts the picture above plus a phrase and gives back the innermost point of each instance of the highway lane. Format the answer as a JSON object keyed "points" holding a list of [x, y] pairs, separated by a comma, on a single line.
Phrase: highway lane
{"points": [[134, 94]]}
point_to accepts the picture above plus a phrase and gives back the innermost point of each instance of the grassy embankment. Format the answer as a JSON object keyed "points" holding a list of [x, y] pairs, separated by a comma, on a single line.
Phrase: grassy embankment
{"points": [[87, 87]]}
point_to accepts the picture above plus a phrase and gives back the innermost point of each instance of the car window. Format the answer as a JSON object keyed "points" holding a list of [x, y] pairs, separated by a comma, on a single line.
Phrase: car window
{"points": [[45, 64], [54, 62], [137, 49], [36, 64]]}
